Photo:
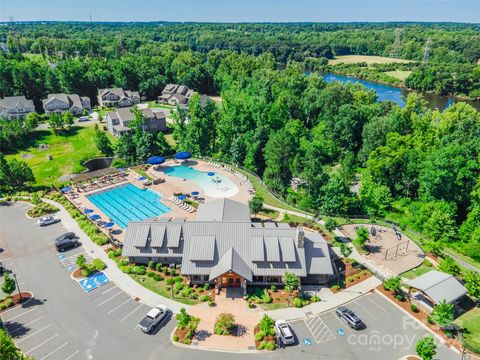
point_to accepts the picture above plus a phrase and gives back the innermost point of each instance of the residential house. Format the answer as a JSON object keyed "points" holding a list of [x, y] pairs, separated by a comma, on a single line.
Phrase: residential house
{"points": [[59, 103], [15, 107], [117, 97], [174, 94], [223, 247], [118, 121]]}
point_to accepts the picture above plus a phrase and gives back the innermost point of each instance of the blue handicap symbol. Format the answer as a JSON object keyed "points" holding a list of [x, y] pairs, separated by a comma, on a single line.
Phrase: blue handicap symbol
{"points": [[70, 268], [307, 341], [61, 256], [340, 331]]}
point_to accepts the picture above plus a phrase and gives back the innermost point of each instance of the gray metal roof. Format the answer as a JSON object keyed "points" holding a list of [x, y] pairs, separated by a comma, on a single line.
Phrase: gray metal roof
{"points": [[157, 235], [10, 102], [223, 210], [438, 286], [288, 249], [142, 235], [231, 261], [203, 248], [273, 250], [258, 249], [173, 235]]}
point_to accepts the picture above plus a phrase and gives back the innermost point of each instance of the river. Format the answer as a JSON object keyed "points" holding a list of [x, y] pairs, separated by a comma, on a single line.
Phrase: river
{"points": [[398, 95]]}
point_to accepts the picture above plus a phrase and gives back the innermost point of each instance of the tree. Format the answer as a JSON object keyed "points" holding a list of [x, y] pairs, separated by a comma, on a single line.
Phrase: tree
{"points": [[266, 324], [145, 146], [183, 319], [20, 173], [449, 266], [125, 149], [162, 145], [56, 122], [330, 224], [256, 204], [9, 285], [225, 323], [472, 283], [5, 175], [393, 283], [345, 250], [375, 198], [81, 261], [291, 282], [426, 348], [362, 236], [8, 350], [67, 120], [442, 314], [103, 142], [337, 199]]}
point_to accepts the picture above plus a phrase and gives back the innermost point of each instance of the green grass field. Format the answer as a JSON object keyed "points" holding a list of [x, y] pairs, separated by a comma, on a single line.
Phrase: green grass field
{"points": [[471, 321], [399, 74], [414, 273], [68, 151]]}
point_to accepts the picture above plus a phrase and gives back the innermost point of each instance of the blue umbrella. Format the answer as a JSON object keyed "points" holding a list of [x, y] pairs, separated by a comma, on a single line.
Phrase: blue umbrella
{"points": [[181, 197], [109, 224], [95, 217], [195, 193], [66, 189], [183, 155], [155, 160], [121, 169], [211, 174], [142, 178], [88, 211]]}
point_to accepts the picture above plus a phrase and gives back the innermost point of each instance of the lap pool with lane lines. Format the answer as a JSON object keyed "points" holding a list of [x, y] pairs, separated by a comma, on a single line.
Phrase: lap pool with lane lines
{"points": [[128, 203]]}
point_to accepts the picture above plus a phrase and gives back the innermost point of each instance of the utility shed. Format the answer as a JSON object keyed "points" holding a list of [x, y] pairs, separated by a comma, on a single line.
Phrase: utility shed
{"points": [[438, 286]]}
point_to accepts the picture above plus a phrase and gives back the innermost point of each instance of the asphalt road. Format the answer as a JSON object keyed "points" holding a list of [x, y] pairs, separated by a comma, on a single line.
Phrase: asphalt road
{"points": [[63, 322]]}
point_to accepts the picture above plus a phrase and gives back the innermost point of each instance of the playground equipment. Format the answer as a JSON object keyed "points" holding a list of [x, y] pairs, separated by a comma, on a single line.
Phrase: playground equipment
{"points": [[397, 250]]}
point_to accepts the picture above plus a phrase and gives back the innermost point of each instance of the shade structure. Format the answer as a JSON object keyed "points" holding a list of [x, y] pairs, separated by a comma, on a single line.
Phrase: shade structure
{"points": [[195, 193], [88, 211], [181, 197], [95, 217], [155, 160], [66, 189], [109, 225], [183, 155], [210, 173]]}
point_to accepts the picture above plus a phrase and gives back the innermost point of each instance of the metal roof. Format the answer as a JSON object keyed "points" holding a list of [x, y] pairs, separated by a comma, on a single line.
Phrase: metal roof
{"points": [[258, 249], [157, 235], [142, 235], [223, 210], [203, 248], [173, 235], [273, 251], [231, 261], [438, 286], [288, 249]]}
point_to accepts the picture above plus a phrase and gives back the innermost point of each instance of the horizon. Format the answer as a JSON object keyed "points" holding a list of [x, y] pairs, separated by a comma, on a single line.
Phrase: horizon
{"points": [[244, 11]]}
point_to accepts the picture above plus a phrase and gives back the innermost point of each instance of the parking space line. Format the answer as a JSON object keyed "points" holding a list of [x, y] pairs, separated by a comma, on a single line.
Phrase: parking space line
{"points": [[36, 347], [338, 319], [118, 307], [17, 316], [35, 333], [131, 312], [54, 351], [375, 303], [27, 324], [364, 308], [71, 356], [106, 291], [110, 298]]}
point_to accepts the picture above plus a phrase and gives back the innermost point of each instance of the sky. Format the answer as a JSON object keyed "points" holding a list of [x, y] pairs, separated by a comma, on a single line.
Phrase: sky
{"points": [[242, 10]]}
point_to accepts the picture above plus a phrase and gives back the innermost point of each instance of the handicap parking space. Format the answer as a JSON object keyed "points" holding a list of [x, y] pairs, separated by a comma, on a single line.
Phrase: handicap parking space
{"points": [[33, 332], [68, 259]]}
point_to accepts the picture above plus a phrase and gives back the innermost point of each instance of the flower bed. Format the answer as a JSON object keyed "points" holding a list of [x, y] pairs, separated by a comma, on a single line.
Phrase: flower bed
{"points": [[13, 300], [265, 335], [186, 328]]}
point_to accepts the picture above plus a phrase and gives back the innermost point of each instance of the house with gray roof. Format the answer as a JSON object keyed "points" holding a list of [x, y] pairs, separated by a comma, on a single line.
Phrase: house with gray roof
{"points": [[59, 103], [222, 246], [15, 107], [118, 121], [175, 94], [117, 97]]}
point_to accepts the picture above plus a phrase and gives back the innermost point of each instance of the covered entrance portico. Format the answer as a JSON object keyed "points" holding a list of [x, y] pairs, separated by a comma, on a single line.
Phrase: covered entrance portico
{"points": [[229, 279], [231, 272]]}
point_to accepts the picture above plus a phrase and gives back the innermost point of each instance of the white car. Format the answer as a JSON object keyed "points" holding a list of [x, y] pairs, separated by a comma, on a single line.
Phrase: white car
{"points": [[153, 318], [84, 118], [284, 332], [47, 220]]}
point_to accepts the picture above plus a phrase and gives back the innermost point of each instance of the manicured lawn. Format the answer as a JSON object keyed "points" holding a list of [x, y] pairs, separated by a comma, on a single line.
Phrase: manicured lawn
{"points": [[68, 151], [471, 321], [272, 214], [153, 104], [399, 74], [414, 273], [159, 288], [273, 306]]}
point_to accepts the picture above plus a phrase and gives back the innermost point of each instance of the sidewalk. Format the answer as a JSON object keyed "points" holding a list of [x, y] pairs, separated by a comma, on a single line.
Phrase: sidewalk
{"points": [[122, 280], [328, 304]]}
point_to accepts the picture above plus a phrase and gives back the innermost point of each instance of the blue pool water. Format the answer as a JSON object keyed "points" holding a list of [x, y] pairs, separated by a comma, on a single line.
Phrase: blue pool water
{"points": [[217, 185], [129, 203]]}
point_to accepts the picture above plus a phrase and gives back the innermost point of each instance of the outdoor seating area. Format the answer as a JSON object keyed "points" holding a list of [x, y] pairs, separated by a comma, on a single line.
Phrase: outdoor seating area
{"points": [[98, 179], [182, 204], [246, 182]]}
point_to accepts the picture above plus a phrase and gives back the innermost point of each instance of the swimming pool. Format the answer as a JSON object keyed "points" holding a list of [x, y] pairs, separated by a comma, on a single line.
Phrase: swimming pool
{"points": [[129, 203], [217, 185]]}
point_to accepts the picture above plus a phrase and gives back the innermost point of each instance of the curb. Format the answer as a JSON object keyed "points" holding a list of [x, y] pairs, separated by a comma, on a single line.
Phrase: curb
{"points": [[441, 339]]}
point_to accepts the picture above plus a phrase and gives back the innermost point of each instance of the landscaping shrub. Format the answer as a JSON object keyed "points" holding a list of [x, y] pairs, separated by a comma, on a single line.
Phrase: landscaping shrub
{"points": [[118, 252], [273, 288], [98, 264], [170, 281], [210, 302], [151, 265], [297, 302], [261, 346], [194, 296], [204, 298], [150, 273], [177, 287], [364, 273], [356, 276], [157, 277], [335, 287], [350, 279], [270, 345], [158, 267], [266, 298], [175, 338], [178, 279], [140, 270], [111, 254], [206, 286], [414, 308], [225, 324], [259, 336], [266, 324], [399, 297], [315, 298]]}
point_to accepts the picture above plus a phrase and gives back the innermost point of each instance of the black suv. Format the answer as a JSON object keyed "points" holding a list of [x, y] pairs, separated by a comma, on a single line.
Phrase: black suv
{"points": [[66, 241], [350, 317]]}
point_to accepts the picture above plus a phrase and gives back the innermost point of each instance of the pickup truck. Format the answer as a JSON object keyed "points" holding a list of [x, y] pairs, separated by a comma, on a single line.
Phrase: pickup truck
{"points": [[153, 318]]}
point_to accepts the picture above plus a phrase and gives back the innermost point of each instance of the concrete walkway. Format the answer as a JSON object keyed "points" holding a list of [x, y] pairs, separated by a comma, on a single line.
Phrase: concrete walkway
{"points": [[328, 304], [122, 280]]}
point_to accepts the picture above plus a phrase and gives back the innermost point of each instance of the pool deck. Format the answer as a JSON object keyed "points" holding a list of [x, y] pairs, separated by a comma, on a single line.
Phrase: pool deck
{"points": [[170, 186]]}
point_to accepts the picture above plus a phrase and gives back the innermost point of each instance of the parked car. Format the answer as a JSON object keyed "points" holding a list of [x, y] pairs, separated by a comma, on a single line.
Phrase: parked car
{"points": [[284, 332], [84, 118], [153, 318], [350, 317], [47, 220], [66, 243], [68, 235]]}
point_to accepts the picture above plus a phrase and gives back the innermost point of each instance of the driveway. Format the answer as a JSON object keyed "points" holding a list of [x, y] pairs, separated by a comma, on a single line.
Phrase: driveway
{"points": [[63, 322]]}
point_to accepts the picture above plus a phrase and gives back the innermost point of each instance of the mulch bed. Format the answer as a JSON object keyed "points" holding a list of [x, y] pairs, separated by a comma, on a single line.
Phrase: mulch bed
{"points": [[77, 274], [266, 338], [16, 299], [181, 334], [359, 280], [281, 296]]}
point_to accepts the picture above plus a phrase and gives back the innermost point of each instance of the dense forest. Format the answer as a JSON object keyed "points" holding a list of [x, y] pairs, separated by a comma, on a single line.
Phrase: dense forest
{"points": [[418, 166]]}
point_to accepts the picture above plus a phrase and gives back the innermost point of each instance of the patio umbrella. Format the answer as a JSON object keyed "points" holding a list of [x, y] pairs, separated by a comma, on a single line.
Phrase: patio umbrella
{"points": [[66, 189], [108, 225], [183, 155], [194, 193], [121, 169], [210, 173], [88, 211], [142, 178], [155, 160], [181, 197], [95, 217]]}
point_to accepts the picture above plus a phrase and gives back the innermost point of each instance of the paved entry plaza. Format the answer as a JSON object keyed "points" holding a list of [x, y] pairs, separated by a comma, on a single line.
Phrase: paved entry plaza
{"points": [[386, 249]]}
